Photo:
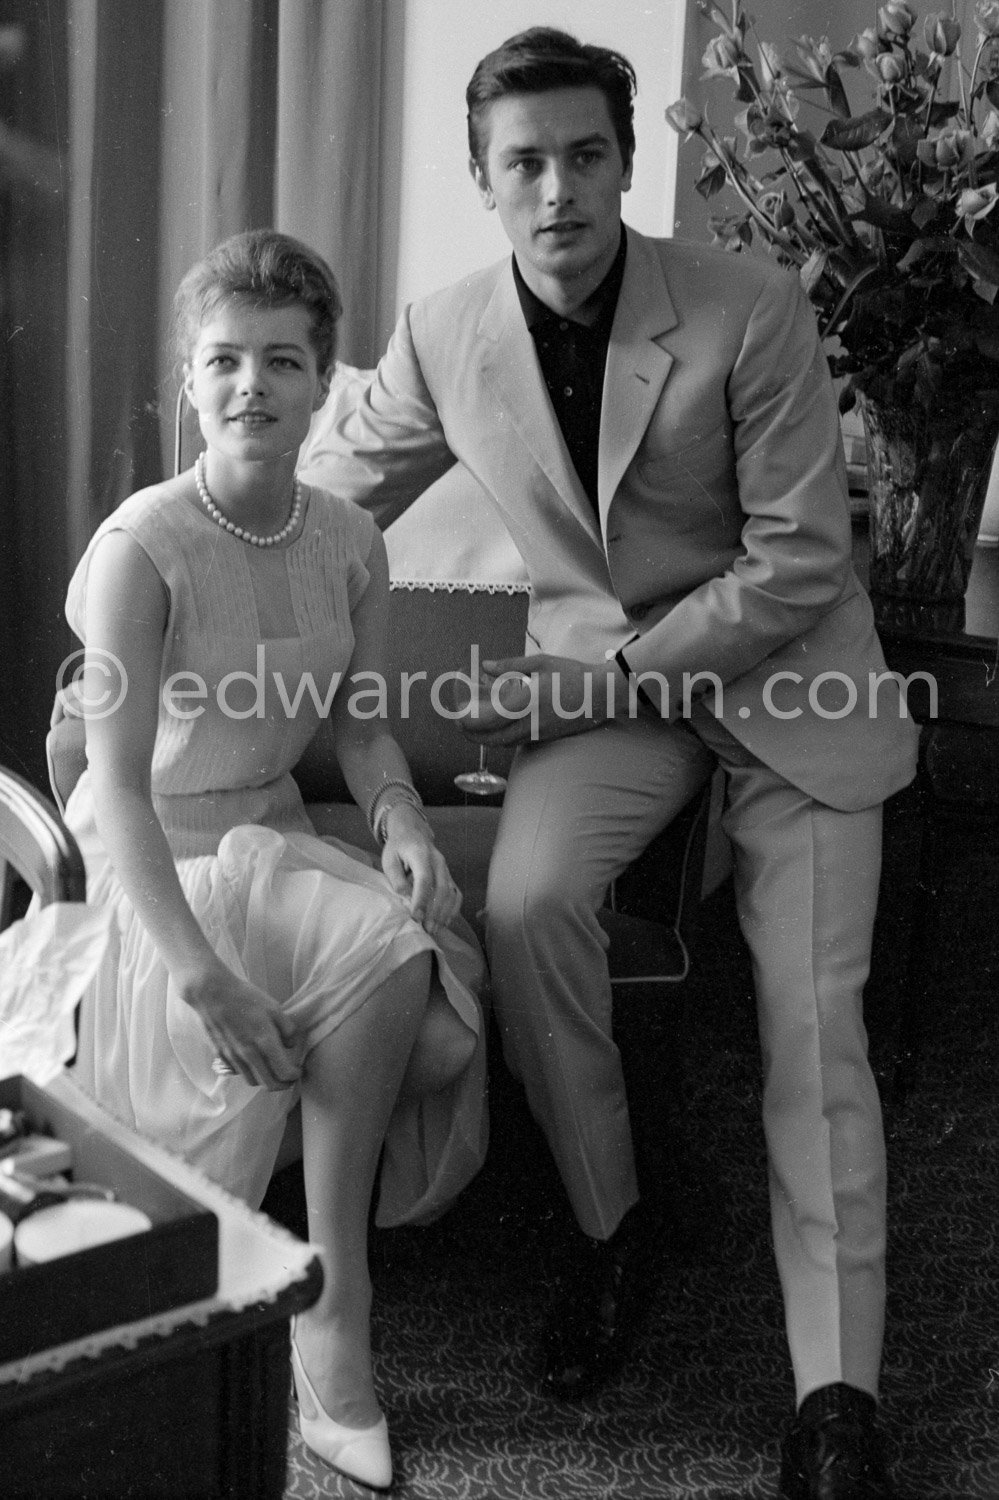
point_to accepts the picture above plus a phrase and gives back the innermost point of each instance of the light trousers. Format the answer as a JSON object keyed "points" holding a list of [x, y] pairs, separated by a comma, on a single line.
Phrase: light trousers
{"points": [[577, 811]]}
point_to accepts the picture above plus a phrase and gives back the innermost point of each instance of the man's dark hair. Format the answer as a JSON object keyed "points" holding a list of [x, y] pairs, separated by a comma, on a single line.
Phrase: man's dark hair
{"points": [[534, 61]]}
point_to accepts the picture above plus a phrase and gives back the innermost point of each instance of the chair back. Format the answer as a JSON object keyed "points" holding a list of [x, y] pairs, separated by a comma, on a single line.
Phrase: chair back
{"points": [[36, 847], [431, 634]]}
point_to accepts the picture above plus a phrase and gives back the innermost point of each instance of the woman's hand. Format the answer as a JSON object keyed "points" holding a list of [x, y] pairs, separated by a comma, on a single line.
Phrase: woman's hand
{"points": [[248, 1029], [417, 870]]}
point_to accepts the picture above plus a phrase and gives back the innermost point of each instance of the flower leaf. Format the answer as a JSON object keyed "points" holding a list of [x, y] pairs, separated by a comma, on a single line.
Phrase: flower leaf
{"points": [[813, 270], [907, 132], [838, 101], [923, 212], [710, 182], [857, 132], [749, 86], [885, 216], [943, 110], [987, 343], [848, 394], [938, 244], [830, 83], [982, 262]]}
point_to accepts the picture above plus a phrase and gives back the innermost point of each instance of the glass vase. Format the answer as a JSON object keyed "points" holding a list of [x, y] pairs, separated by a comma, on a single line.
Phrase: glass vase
{"points": [[928, 470]]}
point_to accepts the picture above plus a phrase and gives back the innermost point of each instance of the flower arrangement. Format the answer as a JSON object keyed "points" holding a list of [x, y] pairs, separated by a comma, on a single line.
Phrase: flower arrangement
{"points": [[888, 213]]}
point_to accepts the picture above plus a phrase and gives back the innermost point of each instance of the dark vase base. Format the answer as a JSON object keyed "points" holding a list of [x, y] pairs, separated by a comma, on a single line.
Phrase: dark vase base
{"points": [[918, 616]]}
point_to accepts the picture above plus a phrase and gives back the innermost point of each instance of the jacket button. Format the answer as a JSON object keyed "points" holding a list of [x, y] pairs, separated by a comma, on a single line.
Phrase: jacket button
{"points": [[639, 611]]}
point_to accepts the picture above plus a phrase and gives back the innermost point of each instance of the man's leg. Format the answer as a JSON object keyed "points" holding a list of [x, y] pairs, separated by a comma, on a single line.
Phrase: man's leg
{"points": [[577, 811], [806, 881]]}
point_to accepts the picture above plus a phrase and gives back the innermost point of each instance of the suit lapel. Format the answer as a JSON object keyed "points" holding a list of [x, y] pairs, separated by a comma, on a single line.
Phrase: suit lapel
{"points": [[509, 364], [637, 366]]}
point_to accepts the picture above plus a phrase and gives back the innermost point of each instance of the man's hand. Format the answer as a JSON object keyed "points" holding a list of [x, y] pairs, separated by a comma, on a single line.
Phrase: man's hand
{"points": [[522, 699]]}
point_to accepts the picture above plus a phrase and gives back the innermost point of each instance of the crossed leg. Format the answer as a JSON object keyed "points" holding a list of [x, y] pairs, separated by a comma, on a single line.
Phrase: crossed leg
{"points": [[350, 1084]]}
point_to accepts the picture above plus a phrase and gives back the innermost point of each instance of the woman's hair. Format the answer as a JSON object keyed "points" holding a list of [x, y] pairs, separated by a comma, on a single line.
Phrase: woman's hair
{"points": [[543, 58], [266, 269]]}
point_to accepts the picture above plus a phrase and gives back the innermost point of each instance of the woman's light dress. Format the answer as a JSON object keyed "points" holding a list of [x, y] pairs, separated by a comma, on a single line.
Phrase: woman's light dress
{"points": [[254, 643]]}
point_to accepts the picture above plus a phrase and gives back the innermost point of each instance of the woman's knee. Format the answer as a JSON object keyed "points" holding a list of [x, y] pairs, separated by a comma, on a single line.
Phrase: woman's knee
{"points": [[443, 1049]]}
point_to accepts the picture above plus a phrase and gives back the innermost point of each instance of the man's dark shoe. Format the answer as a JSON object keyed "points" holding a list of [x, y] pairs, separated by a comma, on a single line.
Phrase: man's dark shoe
{"points": [[833, 1450], [596, 1317]]}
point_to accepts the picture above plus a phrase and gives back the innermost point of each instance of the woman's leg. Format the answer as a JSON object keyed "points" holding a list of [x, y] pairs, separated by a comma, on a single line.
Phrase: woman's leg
{"points": [[443, 1048], [350, 1084]]}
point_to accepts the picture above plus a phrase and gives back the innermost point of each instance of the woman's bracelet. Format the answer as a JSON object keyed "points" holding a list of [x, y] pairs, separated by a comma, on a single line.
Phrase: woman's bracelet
{"points": [[381, 817], [376, 813], [406, 787]]}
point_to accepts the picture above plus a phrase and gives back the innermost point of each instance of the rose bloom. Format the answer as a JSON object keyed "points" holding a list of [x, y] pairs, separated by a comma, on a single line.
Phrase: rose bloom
{"points": [[684, 116], [987, 16], [975, 203], [890, 68], [865, 43], [721, 53], [941, 34], [896, 18], [952, 146]]}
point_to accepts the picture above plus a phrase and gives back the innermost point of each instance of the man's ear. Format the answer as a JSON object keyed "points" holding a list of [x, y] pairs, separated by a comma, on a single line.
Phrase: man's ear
{"points": [[629, 168], [481, 181]]}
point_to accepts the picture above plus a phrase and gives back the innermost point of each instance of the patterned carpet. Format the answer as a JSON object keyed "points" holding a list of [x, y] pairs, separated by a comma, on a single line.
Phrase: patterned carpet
{"points": [[699, 1409]]}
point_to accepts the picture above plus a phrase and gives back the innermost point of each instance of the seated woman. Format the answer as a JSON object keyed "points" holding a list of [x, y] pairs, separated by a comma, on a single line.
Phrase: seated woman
{"points": [[228, 610]]}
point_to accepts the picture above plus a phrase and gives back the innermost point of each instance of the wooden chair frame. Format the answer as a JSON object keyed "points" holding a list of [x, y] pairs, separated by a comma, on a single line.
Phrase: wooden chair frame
{"points": [[36, 846]]}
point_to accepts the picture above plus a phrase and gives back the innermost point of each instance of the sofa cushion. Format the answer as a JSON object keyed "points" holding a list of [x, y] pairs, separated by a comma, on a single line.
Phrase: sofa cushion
{"points": [[643, 948], [464, 835]]}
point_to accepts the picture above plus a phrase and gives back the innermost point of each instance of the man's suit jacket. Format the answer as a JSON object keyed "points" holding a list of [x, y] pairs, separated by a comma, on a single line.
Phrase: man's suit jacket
{"points": [[723, 542]]}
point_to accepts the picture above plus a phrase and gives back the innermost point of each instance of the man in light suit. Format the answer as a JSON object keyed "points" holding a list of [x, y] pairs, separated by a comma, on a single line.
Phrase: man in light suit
{"points": [[656, 425]]}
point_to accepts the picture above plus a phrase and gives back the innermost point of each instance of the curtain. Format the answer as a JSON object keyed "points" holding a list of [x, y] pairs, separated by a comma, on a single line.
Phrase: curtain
{"points": [[177, 122], [33, 239]]}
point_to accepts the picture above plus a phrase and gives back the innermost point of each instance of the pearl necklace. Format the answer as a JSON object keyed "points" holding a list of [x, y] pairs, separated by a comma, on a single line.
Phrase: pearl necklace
{"points": [[240, 532]]}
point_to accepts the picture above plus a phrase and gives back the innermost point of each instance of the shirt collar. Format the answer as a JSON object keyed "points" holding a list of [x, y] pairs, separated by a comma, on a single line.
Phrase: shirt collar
{"points": [[603, 298]]}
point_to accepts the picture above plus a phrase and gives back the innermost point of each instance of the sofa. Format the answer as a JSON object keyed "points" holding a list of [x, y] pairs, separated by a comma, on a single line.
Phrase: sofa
{"points": [[650, 912]]}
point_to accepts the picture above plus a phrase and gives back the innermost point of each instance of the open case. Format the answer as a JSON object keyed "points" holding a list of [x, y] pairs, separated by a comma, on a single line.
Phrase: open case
{"points": [[173, 1262], [189, 1399]]}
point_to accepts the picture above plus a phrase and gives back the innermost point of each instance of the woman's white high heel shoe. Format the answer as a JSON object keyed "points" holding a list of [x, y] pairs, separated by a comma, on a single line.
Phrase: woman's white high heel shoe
{"points": [[359, 1453]]}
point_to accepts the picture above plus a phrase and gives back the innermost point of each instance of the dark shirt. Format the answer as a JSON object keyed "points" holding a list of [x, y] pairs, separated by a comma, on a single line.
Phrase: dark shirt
{"points": [[572, 357]]}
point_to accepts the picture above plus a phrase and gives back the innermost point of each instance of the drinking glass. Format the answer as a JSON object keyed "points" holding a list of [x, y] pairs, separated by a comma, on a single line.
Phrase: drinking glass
{"points": [[481, 782]]}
